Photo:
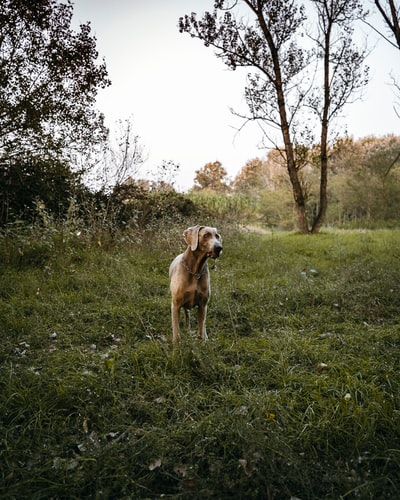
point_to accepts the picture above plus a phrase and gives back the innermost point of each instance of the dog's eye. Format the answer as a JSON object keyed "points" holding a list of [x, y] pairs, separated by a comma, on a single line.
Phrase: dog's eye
{"points": [[206, 235]]}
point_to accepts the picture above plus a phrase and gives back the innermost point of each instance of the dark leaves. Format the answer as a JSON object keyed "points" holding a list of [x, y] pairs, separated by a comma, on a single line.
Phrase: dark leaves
{"points": [[49, 78]]}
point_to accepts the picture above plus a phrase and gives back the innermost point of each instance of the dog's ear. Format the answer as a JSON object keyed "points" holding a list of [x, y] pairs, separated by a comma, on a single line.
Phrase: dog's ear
{"points": [[191, 236]]}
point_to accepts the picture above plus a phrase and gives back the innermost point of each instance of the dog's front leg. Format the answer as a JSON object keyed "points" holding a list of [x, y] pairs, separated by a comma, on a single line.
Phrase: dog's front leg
{"points": [[175, 323], [201, 320]]}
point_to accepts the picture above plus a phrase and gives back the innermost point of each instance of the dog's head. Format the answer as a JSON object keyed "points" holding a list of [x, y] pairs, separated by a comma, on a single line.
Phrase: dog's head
{"points": [[205, 239]]}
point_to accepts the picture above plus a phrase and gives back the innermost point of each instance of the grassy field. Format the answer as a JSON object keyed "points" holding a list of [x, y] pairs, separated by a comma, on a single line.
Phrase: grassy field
{"points": [[295, 395]]}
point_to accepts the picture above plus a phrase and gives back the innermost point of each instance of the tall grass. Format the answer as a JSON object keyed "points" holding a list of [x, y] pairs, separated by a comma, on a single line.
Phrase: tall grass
{"points": [[296, 394]]}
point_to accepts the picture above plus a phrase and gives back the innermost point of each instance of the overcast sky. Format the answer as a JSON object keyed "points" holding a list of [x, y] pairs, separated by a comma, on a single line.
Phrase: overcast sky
{"points": [[179, 94]]}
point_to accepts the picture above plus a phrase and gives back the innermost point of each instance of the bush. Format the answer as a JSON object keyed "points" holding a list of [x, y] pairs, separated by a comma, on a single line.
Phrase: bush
{"points": [[232, 208], [139, 207], [26, 183]]}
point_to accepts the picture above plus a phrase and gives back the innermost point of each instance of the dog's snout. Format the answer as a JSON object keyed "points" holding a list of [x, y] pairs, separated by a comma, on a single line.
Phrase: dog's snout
{"points": [[218, 248]]}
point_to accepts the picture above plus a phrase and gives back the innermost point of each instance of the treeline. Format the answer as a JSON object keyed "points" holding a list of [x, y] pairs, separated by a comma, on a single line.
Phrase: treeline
{"points": [[364, 189], [363, 185]]}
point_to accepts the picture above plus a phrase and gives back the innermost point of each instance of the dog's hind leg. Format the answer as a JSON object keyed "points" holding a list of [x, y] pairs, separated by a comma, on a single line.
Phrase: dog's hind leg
{"points": [[187, 319]]}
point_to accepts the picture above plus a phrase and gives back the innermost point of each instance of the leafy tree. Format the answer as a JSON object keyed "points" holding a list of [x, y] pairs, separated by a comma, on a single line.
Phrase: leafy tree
{"points": [[366, 178], [251, 178], [49, 80], [211, 177], [291, 87], [258, 175]]}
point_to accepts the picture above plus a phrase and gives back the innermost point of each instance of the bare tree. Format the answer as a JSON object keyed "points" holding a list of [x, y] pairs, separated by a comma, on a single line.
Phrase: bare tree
{"points": [[390, 13], [289, 89], [123, 155], [342, 75]]}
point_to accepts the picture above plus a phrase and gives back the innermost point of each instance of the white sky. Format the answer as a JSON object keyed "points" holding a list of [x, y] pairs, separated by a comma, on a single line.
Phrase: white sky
{"points": [[180, 94]]}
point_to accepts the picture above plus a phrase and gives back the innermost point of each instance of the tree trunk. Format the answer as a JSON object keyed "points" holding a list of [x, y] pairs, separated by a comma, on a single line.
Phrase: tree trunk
{"points": [[298, 193], [323, 195], [323, 199]]}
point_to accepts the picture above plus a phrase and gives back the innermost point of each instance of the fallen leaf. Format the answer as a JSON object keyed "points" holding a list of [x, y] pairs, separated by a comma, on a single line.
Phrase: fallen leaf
{"points": [[85, 426], [242, 463], [180, 469], [243, 410], [161, 399], [248, 469], [156, 464]]}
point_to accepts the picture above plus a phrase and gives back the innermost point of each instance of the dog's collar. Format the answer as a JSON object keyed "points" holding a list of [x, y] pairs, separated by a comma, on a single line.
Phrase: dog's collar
{"points": [[196, 275]]}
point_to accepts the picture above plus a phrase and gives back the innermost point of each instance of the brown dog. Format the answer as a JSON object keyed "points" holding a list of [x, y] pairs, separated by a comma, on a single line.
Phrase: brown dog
{"points": [[190, 279]]}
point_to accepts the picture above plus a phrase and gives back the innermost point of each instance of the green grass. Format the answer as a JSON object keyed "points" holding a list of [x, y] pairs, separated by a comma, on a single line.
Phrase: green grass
{"points": [[95, 403]]}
